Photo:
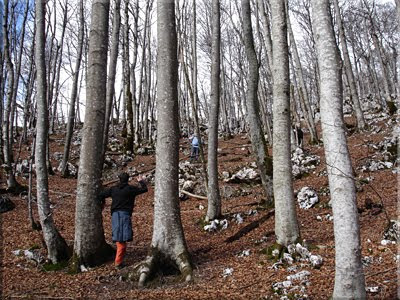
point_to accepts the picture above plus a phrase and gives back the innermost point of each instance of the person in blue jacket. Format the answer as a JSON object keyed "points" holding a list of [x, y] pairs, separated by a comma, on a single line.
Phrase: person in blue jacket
{"points": [[123, 200], [194, 155]]}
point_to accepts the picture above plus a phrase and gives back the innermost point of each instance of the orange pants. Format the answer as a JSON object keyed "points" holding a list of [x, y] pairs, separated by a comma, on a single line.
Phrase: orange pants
{"points": [[121, 250]]}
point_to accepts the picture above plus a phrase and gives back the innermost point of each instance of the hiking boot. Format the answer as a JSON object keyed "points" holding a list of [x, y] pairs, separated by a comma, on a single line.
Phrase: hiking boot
{"points": [[120, 266]]}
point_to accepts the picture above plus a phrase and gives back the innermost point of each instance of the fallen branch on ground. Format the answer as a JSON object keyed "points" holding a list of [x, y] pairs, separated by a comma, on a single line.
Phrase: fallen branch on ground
{"points": [[193, 195]]}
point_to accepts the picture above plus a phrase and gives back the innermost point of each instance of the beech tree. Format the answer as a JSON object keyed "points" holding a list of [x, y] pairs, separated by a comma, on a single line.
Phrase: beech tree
{"points": [[349, 274], [168, 243], [286, 226], [90, 247], [214, 198], [57, 248], [263, 161]]}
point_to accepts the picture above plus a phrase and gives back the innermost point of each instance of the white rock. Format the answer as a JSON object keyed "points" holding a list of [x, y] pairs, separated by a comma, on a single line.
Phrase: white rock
{"points": [[83, 268], [282, 285], [288, 258], [244, 253], [307, 197], [299, 276], [304, 253], [291, 248], [275, 252], [201, 207], [385, 242], [372, 289], [316, 261], [227, 272], [319, 218], [238, 218]]}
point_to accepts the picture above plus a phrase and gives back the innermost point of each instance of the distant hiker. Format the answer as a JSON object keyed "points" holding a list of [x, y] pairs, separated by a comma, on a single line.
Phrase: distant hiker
{"points": [[299, 136], [194, 155], [123, 200]]}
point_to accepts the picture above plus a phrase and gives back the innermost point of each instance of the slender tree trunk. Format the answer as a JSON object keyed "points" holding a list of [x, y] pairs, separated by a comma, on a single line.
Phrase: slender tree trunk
{"points": [[260, 151], [127, 87], [349, 275], [349, 71], [74, 95], [286, 226], [214, 199], [302, 89], [7, 139], [168, 242], [56, 246], [90, 247], [112, 70], [53, 116]]}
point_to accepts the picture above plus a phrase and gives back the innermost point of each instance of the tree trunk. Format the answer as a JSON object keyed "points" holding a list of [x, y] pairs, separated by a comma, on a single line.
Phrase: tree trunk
{"points": [[90, 247], [112, 70], [349, 70], [302, 89], [127, 87], [260, 151], [349, 275], [214, 199], [7, 139], [56, 246], [57, 81], [168, 242], [286, 226], [74, 95]]}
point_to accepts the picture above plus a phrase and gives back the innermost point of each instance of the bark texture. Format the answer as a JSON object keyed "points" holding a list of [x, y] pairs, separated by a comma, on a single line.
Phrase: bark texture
{"points": [[168, 242], [90, 247], [286, 226], [349, 275], [57, 248], [263, 161], [214, 198]]}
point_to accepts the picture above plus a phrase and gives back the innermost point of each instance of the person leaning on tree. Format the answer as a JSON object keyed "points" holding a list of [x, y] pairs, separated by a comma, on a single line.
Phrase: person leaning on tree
{"points": [[123, 200]]}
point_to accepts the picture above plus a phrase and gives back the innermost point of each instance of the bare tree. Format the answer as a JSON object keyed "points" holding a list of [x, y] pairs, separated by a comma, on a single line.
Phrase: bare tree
{"points": [[263, 161], [349, 69], [214, 198], [56, 246], [74, 94], [168, 242], [286, 226], [349, 274], [90, 247], [112, 69]]}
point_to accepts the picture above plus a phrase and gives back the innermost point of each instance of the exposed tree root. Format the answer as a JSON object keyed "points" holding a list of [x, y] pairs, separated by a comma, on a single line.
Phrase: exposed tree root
{"points": [[158, 261]]}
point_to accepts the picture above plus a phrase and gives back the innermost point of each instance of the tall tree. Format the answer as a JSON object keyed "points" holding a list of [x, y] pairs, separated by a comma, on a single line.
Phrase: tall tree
{"points": [[302, 89], [56, 246], [168, 243], [286, 226], [74, 94], [90, 247], [349, 70], [214, 198], [7, 144], [259, 146], [349, 274], [112, 69]]}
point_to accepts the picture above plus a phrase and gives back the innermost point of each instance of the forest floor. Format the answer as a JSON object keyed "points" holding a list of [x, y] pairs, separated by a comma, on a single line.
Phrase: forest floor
{"points": [[228, 263]]}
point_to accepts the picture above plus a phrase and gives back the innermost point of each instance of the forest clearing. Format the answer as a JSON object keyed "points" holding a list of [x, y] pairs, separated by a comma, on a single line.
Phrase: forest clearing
{"points": [[183, 149]]}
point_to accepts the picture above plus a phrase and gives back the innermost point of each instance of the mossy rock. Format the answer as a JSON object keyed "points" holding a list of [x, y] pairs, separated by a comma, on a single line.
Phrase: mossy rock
{"points": [[49, 267]]}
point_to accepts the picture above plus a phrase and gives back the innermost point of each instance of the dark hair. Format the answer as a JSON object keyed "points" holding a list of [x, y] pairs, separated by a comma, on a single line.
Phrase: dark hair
{"points": [[123, 177]]}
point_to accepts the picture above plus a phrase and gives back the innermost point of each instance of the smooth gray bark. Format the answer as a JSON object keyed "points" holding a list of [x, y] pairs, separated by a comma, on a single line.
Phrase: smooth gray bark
{"points": [[168, 241], [259, 146], [7, 144], [112, 69], [214, 198], [90, 247], [57, 248], [74, 94], [286, 226], [349, 70], [302, 89], [349, 275]]}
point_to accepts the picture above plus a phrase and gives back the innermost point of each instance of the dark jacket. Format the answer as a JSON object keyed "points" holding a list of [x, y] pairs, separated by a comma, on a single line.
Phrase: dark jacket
{"points": [[123, 196]]}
